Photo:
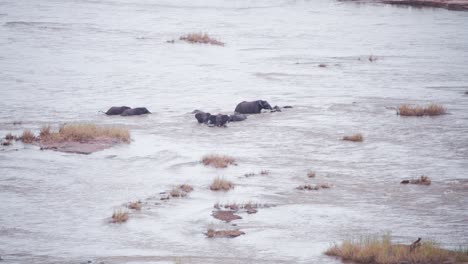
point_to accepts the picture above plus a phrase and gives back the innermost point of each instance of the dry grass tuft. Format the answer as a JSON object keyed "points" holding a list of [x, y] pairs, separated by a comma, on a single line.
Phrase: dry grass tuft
{"points": [[86, 132], [134, 205], [264, 172], [311, 174], [377, 250], [416, 110], [218, 161], [201, 38], [211, 233], [181, 190], [423, 180], [355, 138], [119, 216], [221, 184], [28, 136]]}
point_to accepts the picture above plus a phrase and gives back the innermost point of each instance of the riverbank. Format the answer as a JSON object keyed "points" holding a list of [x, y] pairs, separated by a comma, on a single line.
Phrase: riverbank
{"points": [[459, 5]]}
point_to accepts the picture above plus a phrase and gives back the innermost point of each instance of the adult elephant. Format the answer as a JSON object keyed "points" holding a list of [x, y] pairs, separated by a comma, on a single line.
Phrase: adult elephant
{"points": [[254, 107], [116, 110], [135, 111]]}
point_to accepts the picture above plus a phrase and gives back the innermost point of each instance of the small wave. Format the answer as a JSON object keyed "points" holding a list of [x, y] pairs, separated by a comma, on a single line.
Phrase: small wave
{"points": [[39, 25]]}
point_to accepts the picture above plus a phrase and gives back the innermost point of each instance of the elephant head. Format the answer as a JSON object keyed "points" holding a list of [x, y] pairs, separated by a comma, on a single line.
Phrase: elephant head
{"points": [[264, 105]]}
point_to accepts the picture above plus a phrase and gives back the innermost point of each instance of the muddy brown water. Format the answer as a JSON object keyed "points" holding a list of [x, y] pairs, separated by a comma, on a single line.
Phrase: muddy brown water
{"points": [[63, 61]]}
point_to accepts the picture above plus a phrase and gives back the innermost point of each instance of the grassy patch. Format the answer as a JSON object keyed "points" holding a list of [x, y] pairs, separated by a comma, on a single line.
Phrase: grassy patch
{"points": [[381, 250], [77, 133], [218, 161], [221, 184], [202, 38], [119, 216], [86, 132], [181, 190], [355, 138], [417, 110], [28, 136]]}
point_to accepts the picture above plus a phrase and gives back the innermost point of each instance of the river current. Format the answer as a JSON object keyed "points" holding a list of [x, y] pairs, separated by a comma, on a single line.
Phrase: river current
{"points": [[63, 61]]}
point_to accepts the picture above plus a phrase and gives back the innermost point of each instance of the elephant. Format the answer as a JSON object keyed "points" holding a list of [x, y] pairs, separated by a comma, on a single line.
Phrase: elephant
{"points": [[218, 120], [254, 107], [116, 110], [135, 111], [202, 117], [237, 117]]}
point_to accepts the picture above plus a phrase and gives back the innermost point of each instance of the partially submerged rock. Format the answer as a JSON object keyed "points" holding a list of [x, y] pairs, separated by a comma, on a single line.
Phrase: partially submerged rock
{"points": [[226, 216], [211, 233], [423, 180]]}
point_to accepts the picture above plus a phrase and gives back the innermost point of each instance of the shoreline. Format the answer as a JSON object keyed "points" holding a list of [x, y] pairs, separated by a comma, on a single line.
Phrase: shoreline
{"points": [[456, 5]]}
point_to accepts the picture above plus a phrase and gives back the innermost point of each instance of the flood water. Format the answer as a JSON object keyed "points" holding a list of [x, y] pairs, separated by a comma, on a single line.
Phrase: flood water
{"points": [[64, 61]]}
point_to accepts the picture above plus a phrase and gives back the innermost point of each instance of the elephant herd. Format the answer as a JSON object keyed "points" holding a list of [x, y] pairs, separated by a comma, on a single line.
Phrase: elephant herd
{"points": [[240, 113]]}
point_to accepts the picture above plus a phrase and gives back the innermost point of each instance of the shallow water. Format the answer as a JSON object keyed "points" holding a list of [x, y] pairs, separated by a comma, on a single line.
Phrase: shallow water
{"points": [[63, 61]]}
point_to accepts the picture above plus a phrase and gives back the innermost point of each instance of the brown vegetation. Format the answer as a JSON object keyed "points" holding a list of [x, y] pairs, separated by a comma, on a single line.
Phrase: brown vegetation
{"points": [[28, 136], [201, 38], [355, 138], [87, 132], [311, 174], [250, 208], [134, 205], [218, 161], [211, 233], [381, 251], [423, 180], [264, 172], [221, 184], [416, 110], [181, 190], [119, 216]]}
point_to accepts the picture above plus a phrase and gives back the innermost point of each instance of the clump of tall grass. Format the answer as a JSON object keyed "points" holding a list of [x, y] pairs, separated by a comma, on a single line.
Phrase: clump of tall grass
{"points": [[417, 110], [28, 136], [355, 138], [119, 216], [221, 184], [85, 132], [203, 38], [381, 250], [218, 161]]}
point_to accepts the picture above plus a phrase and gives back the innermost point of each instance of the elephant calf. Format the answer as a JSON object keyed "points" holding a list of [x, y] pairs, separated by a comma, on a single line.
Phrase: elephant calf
{"points": [[116, 110], [135, 111], [254, 107]]}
